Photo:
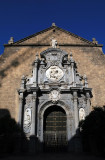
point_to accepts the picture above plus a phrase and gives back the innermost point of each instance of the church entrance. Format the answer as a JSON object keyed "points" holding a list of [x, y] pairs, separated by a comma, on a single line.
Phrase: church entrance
{"points": [[55, 130]]}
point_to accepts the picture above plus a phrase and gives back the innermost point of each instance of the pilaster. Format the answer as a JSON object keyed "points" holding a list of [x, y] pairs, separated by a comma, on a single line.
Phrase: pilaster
{"points": [[88, 102], [75, 109], [33, 123], [20, 109], [35, 71]]}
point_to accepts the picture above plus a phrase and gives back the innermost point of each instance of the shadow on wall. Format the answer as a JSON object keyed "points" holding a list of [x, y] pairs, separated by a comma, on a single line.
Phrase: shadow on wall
{"points": [[10, 133], [18, 60], [90, 136], [92, 131]]}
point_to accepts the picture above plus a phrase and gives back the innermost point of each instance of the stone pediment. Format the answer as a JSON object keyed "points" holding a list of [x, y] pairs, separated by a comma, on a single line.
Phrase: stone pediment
{"points": [[62, 36]]}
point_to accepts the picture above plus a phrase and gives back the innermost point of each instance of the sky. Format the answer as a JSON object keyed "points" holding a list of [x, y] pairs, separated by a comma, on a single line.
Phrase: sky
{"points": [[21, 18]]}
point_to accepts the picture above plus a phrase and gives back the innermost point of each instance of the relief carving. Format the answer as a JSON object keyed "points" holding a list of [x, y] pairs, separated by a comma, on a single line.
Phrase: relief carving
{"points": [[54, 96], [54, 73]]}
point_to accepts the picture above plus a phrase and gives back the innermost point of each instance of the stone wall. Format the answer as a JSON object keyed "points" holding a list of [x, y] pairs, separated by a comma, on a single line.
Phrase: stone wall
{"points": [[17, 61]]}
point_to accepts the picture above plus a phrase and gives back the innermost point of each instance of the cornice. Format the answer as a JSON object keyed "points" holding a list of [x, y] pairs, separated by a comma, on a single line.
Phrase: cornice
{"points": [[42, 45]]}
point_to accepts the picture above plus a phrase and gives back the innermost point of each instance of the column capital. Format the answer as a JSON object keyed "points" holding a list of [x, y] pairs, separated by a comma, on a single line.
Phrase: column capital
{"points": [[34, 96], [87, 95], [85, 81], [23, 82], [75, 94]]}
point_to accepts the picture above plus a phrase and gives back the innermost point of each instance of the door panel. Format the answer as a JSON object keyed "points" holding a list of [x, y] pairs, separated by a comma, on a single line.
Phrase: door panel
{"points": [[55, 137]]}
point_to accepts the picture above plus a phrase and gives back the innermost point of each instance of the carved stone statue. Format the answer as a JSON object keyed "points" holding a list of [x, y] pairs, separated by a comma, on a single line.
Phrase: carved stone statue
{"points": [[81, 114], [27, 118], [11, 40], [54, 42]]}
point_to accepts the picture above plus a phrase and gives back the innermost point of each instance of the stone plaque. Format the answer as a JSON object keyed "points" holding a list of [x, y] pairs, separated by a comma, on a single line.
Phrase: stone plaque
{"points": [[54, 73]]}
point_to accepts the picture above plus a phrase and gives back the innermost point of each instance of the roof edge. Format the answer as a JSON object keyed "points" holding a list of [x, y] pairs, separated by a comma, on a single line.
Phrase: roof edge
{"points": [[52, 27], [36, 45]]}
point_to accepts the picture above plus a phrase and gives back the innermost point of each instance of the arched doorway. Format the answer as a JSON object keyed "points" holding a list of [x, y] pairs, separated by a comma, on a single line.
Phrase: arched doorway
{"points": [[55, 129]]}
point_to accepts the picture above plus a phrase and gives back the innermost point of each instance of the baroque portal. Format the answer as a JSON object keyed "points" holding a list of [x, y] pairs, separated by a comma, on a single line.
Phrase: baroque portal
{"points": [[53, 100]]}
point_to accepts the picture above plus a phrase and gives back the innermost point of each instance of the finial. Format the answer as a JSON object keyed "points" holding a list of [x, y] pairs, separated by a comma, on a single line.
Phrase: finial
{"points": [[11, 40], [94, 41], [23, 77], [85, 81], [71, 54], [85, 77], [37, 56], [71, 57], [23, 80], [53, 24]]}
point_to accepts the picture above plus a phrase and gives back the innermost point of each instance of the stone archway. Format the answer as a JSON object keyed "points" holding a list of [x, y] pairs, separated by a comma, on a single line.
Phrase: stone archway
{"points": [[55, 129], [69, 118]]}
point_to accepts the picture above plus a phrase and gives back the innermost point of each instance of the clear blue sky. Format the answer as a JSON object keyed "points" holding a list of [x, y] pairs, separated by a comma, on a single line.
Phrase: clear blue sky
{"points": [[21, 18]]}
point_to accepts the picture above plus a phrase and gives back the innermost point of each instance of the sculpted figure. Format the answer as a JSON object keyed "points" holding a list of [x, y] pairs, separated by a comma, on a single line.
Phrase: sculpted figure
{"points": [[81, 114], [54, 43], [27, 117]]}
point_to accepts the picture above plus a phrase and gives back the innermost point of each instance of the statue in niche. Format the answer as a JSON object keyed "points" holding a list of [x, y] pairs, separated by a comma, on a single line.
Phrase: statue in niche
{"points": [[54, 42], [81, 114], [27, 118]]}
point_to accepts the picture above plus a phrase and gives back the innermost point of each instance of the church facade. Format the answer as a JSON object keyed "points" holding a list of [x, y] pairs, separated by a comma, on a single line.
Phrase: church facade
{"points": [[54, 99], [53, 94]]}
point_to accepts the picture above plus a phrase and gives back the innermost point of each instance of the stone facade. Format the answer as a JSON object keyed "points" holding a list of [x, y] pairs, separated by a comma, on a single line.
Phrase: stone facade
{"points": [[18, 57], [55, 81]]}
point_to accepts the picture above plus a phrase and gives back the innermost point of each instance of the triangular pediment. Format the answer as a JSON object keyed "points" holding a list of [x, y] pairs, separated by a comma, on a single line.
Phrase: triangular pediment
{"points": [[62, 36]]}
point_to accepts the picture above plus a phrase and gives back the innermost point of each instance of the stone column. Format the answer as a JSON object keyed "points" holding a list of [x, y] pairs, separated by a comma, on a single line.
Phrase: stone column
{"points": [[33, 123], [85, 81], [88, 102], [33, 136], [20, 117], [21, 94], [75, 109], [72, 68], [41, 128], [77, 139]]}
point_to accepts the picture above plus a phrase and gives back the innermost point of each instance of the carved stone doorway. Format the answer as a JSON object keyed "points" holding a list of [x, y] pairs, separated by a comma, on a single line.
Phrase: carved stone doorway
{"points": [[55, 129]]}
